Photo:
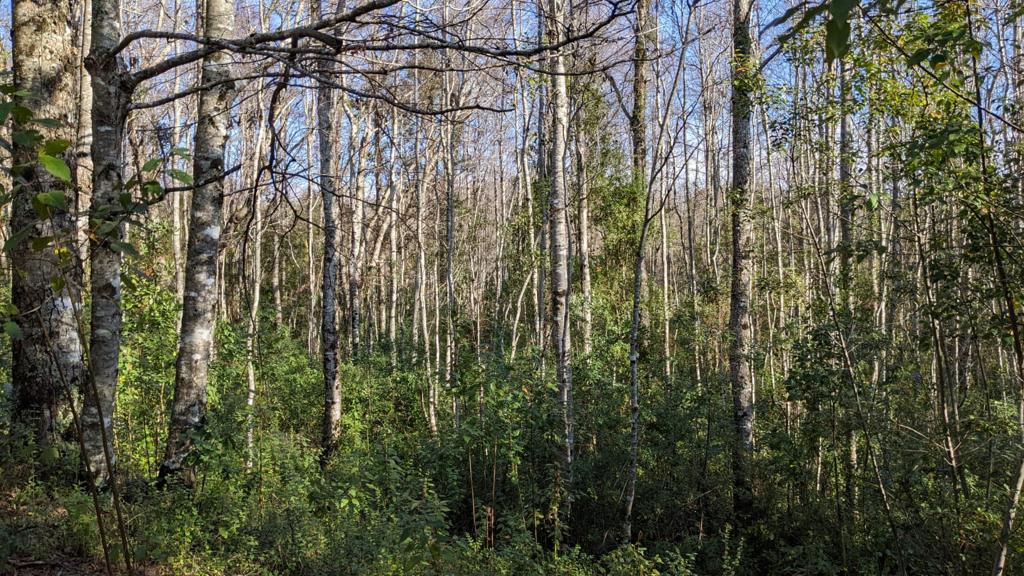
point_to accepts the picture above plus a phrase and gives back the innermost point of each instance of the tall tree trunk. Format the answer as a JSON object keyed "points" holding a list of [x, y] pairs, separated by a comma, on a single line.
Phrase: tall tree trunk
{"points": [[666, 291], [846, 216], [448, 146], [312, 335], [83, 167], [109, 113], [47, 358], [638, 135], [743, 72], [329, 288], [255, 281], [277, 278], [448, 143], [178, 202], [188, 409], [558, 221], [420, 299], [394, 203], [359, 133], [1006, 294], [543, 174], [584, 247]]}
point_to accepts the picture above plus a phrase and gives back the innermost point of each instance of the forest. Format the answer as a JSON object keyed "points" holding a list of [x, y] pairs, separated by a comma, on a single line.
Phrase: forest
{"points": [[511, 287]]}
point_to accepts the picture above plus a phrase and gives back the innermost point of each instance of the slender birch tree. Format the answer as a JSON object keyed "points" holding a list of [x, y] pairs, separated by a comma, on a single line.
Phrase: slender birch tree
{"points": [[744, 71], [188, 409]]}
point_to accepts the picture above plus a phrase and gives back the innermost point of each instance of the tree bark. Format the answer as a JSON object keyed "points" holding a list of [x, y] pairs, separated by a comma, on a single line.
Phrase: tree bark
{"points": [[357, 202], [312, 331], [329, 286], [277, 277], [584, 247], [394, 203], [178, 231], [83, 167], [188, 409], [638, 134], [744, 72], [557, 218], [255, 281], [47, 358], [109, 113]]}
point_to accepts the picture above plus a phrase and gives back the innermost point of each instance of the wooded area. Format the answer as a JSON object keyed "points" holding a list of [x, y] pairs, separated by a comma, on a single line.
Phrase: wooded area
{"points": [[616, 287]]}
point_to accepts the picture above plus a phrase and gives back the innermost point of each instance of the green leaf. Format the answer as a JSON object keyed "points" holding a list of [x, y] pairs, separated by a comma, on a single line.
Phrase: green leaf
{"points": [[183, 177], [918, 56], [872, 202], [124, 248], [54, 199], [837, 39], [11, 90], [105, 228], [26, 138], [56, 147], [152, 164], [13, 330], [804, 21], [840, 10], [17, 238], [21, 114], [152, 188], [55, 166], [49, 455], [5, 110], [40, 243]]}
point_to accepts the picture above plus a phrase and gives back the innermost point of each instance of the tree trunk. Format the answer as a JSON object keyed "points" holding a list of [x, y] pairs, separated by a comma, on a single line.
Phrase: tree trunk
{"points": [[329, 287], [47, 358], [394, 203], [846, 216], [255, 281], [743, 71], [358, 233], [178, 232], [110, 109], [638, 134], [558, 221], [277, 279], [584, 247], [312, 332], [83, 167], [195, 346]]}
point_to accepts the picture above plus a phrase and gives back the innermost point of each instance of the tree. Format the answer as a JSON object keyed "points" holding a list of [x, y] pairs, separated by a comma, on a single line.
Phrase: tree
{"points": [[561, 337], [744, 72], [329, 288], [47, 361], [107, 214], [188, 409], [638, 135]]}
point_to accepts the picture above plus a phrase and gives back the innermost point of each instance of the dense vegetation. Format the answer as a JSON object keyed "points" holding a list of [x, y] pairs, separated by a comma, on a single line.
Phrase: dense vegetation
{"points": [[507, 287]]}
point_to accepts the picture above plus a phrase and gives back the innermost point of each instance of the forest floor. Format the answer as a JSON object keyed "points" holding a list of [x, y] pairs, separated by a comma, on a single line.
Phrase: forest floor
{"points": [[27, 530], [59, 566]]}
